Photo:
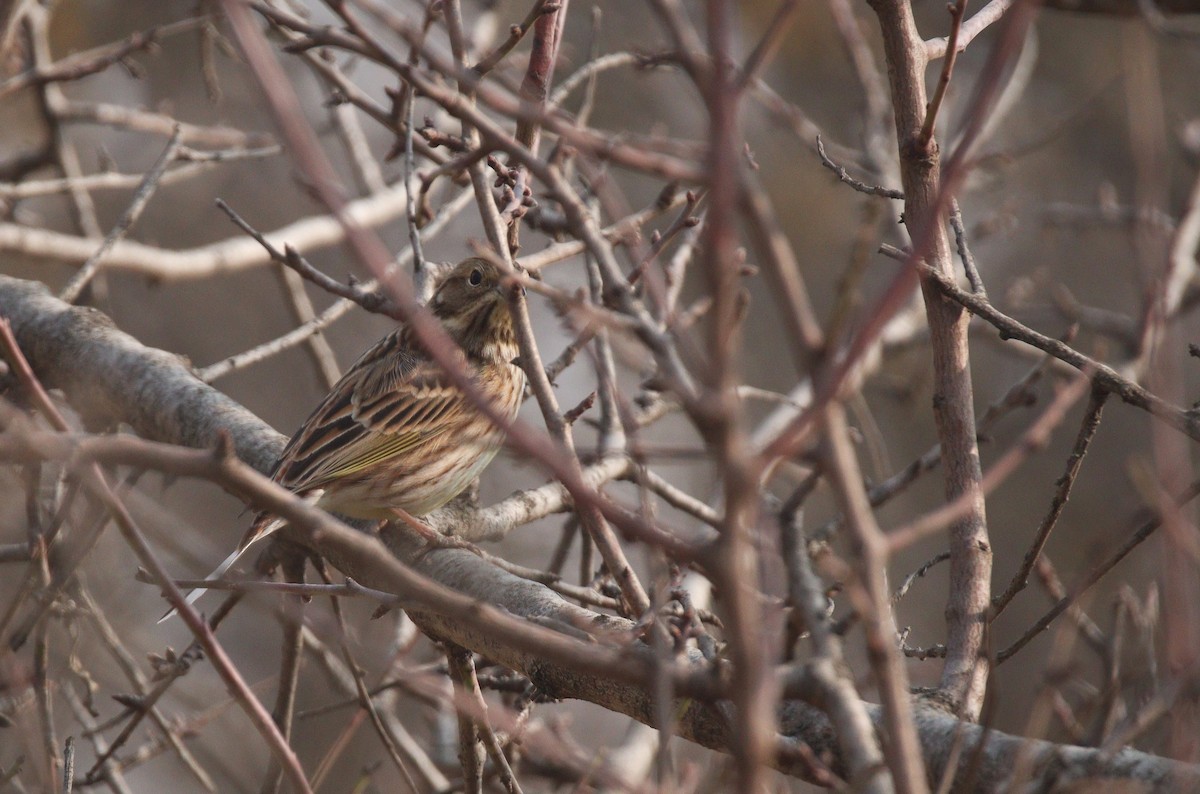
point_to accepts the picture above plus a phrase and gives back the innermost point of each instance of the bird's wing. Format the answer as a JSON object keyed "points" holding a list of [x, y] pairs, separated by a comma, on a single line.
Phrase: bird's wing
{"points": [[387, 404]]}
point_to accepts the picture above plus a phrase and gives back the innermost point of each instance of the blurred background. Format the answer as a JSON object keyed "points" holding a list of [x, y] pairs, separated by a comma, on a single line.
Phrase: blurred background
{"points": [[1086, 168]]}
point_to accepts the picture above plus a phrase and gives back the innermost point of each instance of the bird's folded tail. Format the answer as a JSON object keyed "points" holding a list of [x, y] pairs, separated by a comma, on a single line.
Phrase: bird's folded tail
{"points": [[264, 526]]}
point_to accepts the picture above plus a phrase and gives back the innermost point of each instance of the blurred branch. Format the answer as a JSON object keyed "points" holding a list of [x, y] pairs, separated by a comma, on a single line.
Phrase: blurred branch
{"points": [[127, 373], [141, 197], [137, 120], [1124, 8], [82, 64], [191, 163], [227, 256], [965, 32], [96, 482]]}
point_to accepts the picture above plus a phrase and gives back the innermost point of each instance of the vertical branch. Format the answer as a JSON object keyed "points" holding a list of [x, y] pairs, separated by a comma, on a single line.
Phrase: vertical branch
{"points": [[53, 101], [484, 199], [737, 573], [110, 772], [289, 663], [424, 285], [634, 594], [901, 748], [364, 695], [965, 673], [45, 704], [957, 11], [470, 749], [535, 88], [475, 732], [1162, 350], [855, 733], [302, 311]]}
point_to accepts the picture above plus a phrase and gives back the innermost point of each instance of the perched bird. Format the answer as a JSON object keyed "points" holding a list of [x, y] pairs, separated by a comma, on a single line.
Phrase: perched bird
{"points": [[394, 434]]}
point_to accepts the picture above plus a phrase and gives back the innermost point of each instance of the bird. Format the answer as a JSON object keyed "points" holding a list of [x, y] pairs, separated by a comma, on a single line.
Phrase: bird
{"points": [[395, 437]]}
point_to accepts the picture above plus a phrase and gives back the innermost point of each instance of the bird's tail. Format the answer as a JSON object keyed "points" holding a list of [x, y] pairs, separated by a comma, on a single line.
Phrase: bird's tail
{"points": [[263, 526]]}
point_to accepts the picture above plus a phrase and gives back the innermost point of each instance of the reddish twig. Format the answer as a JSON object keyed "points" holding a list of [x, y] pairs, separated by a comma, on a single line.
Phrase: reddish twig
{"points": [[515, 33], [1034, 439], [1095, 575], [96, 481], [1087, 431], [873, 604], [957, 11]]}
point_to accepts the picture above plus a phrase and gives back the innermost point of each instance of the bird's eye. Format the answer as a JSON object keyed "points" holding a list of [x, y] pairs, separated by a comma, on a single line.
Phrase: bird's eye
{"points": [[476, 277]]}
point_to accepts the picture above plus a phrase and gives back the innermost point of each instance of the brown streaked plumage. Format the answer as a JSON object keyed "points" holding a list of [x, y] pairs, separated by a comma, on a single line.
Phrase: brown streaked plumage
{"points": [[394, 432]]}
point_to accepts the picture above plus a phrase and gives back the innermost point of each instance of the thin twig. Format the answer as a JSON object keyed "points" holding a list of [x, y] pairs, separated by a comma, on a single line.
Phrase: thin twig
{"points": [[957, 11], [964, 251], [322, 355], [989, 14], [844, 176], [97, 483], [365, 699], [515, 34], [109, 773], [68, 777], [141, 198], [1035, 438], [326, 318], [1087, 431], [42, 686], [902, 590], [97, 59], [369, 299], [1144, 531], [129, 665], [1181, 420], [284, 711], [414, 232]]}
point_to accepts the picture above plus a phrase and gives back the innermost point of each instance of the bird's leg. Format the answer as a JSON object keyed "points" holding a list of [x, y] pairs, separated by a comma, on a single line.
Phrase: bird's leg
{"points": [[433, 539]]}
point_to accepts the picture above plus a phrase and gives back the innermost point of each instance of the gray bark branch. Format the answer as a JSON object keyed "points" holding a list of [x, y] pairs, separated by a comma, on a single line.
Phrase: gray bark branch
{"points": [[108, 376]]}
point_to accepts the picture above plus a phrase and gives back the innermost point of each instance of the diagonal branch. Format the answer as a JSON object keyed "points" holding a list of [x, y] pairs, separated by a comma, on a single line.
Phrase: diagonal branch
{"points": [[491, 612]]}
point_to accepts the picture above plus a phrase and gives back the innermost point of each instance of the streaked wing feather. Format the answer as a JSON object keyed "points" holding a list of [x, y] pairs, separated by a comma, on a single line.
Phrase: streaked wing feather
{"points": [[362, 452], [380, 415]]}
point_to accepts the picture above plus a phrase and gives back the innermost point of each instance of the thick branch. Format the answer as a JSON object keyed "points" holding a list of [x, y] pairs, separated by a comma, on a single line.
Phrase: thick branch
{"points": [[965, 673], [111, 374]]}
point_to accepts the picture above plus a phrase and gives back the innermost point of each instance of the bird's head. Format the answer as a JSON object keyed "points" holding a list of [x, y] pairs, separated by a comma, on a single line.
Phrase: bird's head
{"points": [[472, 304]]}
